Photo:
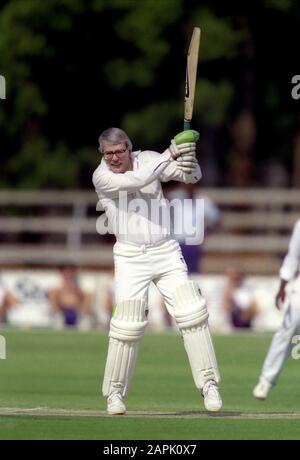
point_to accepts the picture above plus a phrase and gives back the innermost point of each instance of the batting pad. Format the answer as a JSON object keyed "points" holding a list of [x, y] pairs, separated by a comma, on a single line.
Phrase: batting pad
{"points": [[127, 327], [191, 316]]}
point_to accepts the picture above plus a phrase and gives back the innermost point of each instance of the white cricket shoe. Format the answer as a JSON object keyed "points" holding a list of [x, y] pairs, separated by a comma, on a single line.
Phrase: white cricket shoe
{"points": [[262, 389], [115, 404], [212, 398]]}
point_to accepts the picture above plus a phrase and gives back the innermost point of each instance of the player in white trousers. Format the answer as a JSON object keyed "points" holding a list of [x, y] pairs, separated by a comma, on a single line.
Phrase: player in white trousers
{"points": [[282, 343], [145, 252]]}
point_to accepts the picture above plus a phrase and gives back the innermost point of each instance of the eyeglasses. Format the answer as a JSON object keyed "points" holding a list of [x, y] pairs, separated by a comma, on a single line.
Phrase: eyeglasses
{"points": [[118, 153]]}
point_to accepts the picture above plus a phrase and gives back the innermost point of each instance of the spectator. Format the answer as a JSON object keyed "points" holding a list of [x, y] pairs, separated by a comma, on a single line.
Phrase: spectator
{"points": [[7, 301], [238, 301], [71, 305]]}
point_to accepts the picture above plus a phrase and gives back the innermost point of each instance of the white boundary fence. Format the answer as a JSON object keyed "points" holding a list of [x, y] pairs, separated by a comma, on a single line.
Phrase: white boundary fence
{"points": [[53, 227], [30, 287]]}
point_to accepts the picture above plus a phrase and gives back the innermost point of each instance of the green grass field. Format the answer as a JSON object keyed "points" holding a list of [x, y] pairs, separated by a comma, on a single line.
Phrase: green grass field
{"points": [[50, 389]]}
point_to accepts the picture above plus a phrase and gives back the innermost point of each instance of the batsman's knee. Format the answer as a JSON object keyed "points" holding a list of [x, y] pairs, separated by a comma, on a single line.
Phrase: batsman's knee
{"points": [[129, 320], [189, 306]]}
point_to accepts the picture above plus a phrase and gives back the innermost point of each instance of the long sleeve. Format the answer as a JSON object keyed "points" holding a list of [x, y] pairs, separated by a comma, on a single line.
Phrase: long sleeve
{"points": [[291, 263], [171, 172], [110, 184]]}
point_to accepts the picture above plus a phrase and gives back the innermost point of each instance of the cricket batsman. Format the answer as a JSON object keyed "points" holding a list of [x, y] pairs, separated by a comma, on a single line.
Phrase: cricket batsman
{"points": [[282, 344], [145, 252]]}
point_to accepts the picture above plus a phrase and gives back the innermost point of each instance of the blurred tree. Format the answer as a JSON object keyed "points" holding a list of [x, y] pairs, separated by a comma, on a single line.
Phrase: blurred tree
{"points": [[75, 67]]}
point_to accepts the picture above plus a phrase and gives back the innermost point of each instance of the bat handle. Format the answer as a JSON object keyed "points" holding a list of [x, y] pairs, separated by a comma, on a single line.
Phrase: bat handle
{"points": [[186, 125]]}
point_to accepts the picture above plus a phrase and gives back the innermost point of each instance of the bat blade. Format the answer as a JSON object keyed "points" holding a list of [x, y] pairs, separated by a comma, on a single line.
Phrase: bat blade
{"points": [[191, 76]]}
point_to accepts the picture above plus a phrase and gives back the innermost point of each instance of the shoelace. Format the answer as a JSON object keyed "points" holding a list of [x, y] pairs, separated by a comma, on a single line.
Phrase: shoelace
{"points": [[114, 395], [210, 385]]}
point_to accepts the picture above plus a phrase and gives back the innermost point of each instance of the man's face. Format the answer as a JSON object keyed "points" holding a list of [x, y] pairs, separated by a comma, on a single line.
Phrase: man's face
{"points": [[69, 274], [117, 157]]}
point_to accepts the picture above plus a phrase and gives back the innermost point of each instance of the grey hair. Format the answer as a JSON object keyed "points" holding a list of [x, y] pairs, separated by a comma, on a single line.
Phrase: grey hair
{"points": [[114, 136]]}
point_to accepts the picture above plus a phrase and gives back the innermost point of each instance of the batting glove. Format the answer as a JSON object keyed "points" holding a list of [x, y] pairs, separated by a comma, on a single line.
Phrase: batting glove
{"points": [[187, 163], [182, 149]]}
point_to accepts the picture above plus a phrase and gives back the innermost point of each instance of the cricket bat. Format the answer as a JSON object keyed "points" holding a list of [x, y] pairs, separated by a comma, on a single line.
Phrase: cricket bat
{"points": [[189, 135], [191, 77]]}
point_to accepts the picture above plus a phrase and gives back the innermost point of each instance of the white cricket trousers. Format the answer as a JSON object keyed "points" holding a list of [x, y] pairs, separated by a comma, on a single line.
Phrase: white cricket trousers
{"points": [[281, 344], [136, 266]]}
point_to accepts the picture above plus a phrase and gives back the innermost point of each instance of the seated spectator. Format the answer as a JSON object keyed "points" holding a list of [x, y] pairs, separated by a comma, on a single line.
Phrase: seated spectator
{"points": [[70, 304], [238, 301], [7, 301]]}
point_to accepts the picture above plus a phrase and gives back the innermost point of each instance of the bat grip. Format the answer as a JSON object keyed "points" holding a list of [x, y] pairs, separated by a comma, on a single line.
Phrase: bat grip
{"points": [[186, 125]]}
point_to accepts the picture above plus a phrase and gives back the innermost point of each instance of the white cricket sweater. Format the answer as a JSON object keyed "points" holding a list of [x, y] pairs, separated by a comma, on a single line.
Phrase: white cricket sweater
{"points": [[130, 214]]}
